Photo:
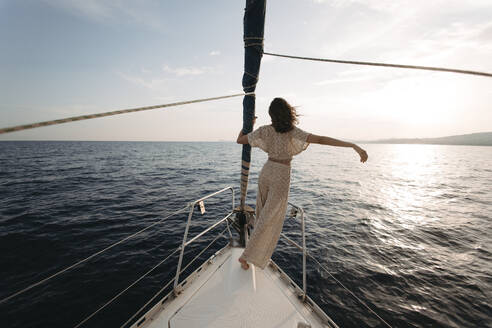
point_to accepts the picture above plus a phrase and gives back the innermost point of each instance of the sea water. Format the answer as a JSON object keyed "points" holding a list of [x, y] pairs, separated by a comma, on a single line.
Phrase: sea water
{"points": [[409, 232]]}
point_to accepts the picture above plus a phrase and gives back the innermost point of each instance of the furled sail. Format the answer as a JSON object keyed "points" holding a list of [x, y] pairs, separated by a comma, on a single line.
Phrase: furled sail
{"points": [[254, 23]]}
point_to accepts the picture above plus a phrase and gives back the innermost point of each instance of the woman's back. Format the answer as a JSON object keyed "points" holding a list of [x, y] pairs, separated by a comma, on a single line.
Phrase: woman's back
{"points": [[274, 178], [280, 146]]}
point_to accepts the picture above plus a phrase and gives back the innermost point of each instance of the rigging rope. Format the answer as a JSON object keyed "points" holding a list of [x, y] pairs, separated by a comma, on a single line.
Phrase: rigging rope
{"points": [[88, 258], [427, 68], [116, 112]]}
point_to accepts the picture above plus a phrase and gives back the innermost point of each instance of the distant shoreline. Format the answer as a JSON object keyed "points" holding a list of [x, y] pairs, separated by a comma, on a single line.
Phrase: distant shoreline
{"points": [[361, 142], [472, 139], [422, 144]]}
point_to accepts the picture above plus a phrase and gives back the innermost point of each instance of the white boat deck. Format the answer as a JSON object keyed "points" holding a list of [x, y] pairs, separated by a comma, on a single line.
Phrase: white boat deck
{"points": [[222, 294]]}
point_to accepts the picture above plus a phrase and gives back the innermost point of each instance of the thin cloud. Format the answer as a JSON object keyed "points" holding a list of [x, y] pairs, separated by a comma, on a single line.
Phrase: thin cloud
{"points": [[111, 12], [214, 53], [186, 71], [94, 10]]}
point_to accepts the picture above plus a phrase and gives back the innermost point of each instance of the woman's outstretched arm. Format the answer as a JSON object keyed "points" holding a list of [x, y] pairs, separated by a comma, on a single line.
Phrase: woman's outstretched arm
{"points": [[322, 140]]}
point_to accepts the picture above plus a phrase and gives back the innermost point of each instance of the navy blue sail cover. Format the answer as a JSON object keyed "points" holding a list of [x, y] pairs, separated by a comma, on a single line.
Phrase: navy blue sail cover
{"points": [[254, 26]]}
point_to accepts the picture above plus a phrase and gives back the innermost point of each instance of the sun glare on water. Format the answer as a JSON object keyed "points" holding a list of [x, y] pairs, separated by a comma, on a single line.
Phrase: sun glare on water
{"points": [[415, 173]]}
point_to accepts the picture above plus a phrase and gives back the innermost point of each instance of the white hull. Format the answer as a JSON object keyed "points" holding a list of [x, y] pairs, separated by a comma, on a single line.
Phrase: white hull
{"points": [[221, 294]]}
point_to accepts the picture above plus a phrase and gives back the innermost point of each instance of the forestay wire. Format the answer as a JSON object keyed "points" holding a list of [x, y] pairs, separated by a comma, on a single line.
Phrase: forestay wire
{"points": [[427, 68], [116, 112]]}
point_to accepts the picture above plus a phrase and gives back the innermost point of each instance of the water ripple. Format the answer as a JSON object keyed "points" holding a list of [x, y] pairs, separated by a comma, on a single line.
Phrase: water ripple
{"points": [[410, 232]]}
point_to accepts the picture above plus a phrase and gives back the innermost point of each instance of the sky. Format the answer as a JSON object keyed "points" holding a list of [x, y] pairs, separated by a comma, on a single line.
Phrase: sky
{"points": [[62, 58]]}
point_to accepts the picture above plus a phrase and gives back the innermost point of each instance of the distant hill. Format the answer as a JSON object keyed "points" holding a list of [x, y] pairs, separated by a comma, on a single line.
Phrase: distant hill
{"points": [[473, 139]]}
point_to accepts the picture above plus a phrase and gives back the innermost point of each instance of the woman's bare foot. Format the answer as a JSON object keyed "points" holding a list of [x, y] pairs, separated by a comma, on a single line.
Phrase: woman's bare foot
{"points": [[244, 264]]}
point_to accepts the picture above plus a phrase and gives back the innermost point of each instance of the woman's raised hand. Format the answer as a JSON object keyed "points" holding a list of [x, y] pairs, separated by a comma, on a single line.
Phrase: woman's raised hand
{"points": [[362, 153]]}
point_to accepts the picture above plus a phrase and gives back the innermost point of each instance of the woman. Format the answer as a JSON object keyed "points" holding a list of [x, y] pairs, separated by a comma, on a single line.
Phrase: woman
{"points": [[281, 140]]}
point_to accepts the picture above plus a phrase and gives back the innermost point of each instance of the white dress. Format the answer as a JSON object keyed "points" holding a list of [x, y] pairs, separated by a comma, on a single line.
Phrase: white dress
{"points": [[273, 189]]}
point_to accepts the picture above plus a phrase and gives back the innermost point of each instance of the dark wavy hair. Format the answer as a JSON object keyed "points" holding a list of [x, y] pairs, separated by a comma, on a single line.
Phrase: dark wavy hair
{"points": [[284, 116]]}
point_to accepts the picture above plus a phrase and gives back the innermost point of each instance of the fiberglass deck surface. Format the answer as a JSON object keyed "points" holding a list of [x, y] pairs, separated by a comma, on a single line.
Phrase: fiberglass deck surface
{"points": [[224, 295]]}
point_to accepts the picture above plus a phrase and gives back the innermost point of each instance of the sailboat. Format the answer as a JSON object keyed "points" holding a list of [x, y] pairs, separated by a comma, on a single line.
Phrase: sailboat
{"points": [[219, 293]]}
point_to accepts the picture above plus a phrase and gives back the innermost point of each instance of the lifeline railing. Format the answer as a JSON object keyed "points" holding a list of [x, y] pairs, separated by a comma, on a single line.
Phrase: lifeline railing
{"points": [[185, 243], [192, 205], [306, 253]]}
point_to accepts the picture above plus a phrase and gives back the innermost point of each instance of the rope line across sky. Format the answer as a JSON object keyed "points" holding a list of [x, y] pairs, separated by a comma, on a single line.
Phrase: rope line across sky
{"points": [[116, 112], [132, 110], [427, 68]]}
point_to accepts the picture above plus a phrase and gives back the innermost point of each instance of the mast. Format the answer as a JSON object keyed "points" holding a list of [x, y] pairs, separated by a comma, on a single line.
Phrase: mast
{"points": [[254, 24]]}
